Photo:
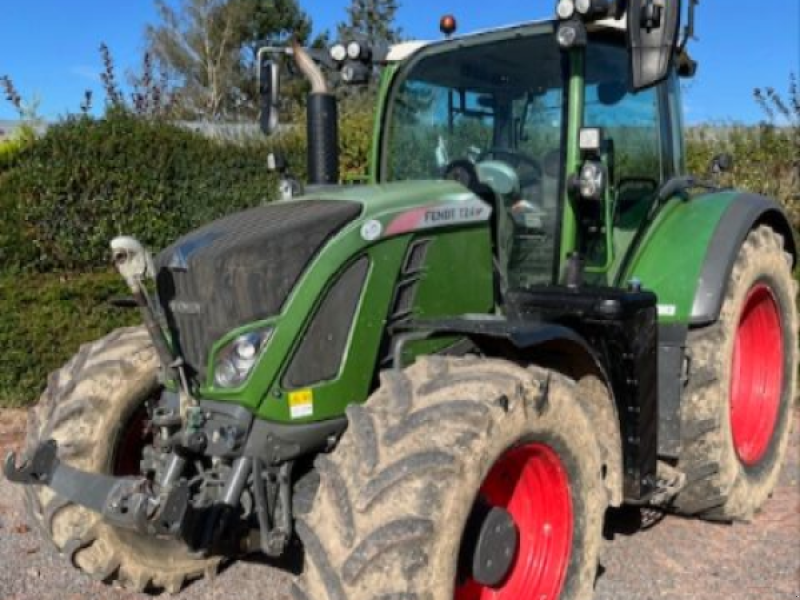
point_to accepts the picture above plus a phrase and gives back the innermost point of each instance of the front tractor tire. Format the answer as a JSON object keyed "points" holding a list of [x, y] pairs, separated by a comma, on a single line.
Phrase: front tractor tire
{"points": [[438, 449], [95, 409], [736, 415]]}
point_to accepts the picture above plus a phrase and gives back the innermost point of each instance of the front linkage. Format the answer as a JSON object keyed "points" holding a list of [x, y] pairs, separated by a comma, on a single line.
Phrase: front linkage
{"points": [[247, 488], [243, 485]]}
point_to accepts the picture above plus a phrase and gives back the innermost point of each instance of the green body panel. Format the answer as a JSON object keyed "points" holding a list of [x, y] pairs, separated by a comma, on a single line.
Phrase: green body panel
{"points": [[452, 245], [671, 256], [452, 285]]}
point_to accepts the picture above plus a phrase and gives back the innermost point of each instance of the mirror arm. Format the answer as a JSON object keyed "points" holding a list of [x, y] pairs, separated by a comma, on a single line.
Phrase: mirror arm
{"points": [[689, 30]]}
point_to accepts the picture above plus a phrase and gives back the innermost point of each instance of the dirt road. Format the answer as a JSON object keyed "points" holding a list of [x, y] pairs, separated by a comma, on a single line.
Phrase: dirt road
{"points": [[673, 559]]}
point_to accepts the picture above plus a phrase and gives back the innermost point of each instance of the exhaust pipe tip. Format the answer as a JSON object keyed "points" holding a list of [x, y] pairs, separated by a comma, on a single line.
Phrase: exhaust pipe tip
{"points": [[322, 122]]}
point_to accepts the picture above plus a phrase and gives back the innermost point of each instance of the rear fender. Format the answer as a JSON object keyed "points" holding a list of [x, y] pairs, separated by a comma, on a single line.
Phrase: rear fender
{"points": [[746, 212], [687, 256]]}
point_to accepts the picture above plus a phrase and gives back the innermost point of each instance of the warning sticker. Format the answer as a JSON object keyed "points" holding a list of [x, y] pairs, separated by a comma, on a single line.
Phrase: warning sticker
{"points": [[301, 404], [667, 310]]}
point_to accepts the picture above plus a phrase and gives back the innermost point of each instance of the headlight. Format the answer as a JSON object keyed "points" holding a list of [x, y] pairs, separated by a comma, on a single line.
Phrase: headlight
{"points": [[567, 35], [354, 50], [356, 73], [339, 52], [565, 9], [236, 361], [592, 181]]}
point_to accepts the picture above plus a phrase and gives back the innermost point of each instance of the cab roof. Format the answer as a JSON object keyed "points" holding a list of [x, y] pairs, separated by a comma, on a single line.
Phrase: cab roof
{"points": [[401, 52]]}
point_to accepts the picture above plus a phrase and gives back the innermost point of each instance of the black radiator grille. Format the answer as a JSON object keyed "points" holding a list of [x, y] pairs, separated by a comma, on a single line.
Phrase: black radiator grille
{"points": [[241, 270], [185, 322]]}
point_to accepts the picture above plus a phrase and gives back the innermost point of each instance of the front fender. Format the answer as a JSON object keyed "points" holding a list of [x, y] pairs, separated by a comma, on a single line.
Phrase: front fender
{"points": [[688, 254]]}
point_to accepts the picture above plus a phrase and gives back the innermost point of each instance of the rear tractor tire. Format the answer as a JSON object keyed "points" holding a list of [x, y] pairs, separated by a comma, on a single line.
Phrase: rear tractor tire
{"points": [[737, 413], [438, 450], [95, 409]]}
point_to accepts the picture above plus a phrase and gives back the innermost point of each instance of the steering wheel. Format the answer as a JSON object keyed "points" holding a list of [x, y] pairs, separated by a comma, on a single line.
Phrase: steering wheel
{"points": [[464, 172], [529, 169]]}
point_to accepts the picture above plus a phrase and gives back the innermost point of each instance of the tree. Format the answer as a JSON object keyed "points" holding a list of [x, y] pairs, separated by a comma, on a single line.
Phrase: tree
{"points": [[372, 20], [274, 23], [208, 49], [197, 46]]}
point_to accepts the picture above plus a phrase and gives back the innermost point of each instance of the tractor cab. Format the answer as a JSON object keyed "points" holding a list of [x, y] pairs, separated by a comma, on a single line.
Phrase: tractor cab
{"points": [[492, 111]]}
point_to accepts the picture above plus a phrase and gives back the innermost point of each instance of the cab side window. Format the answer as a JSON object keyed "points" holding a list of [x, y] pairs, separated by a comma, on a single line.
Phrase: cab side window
{"points": [[631, 121]]}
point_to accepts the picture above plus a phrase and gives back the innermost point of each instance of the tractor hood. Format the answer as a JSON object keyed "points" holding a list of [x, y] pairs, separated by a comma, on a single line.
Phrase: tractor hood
{"points": [[242, 269]]}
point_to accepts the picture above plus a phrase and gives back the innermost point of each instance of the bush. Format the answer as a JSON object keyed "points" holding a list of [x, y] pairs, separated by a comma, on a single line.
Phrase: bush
{"points": [[45, 320], [10, 149], [355, 142], [766, 160], [86, 181]]}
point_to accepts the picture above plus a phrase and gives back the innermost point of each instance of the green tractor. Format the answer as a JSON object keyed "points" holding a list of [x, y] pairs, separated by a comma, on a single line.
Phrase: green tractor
{"points": [[440, 381]]}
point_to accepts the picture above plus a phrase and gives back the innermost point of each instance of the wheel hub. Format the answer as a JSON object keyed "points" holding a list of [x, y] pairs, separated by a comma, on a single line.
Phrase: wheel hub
{"points": [[523, 521], [495, 548]]}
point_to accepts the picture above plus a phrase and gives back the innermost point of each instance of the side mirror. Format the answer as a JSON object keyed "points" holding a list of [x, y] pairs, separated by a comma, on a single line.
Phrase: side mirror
{"points": [[722, 163], [269, 92], [653, 30]]}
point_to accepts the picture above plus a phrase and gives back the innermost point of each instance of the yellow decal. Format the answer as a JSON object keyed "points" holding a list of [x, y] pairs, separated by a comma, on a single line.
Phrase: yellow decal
{"points": [[301, 404]]}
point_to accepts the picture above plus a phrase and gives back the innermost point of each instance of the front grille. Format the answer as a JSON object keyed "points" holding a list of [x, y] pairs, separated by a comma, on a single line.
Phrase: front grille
{"points": [[241, 270], [185, 324]]}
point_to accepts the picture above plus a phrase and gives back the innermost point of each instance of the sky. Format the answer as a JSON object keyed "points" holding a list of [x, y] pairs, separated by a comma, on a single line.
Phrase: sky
{"points": [[50, 47]]}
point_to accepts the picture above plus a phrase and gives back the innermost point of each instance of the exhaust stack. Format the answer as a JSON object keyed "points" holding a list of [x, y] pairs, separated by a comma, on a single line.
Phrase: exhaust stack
{"points": [[322, 123]]}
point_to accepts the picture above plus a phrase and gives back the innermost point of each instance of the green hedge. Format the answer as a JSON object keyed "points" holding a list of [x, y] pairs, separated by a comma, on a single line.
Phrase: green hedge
{"points": [[9, 149], [45, 319], [86, 181], [766, 160]]}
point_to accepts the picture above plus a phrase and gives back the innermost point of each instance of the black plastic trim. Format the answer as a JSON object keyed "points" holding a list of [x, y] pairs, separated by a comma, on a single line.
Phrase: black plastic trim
{"points": [[671, 383], [276, 443], [521, 334], [321, 351]]}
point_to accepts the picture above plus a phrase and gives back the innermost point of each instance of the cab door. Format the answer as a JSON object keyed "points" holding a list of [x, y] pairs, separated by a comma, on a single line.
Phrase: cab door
{"points": [[639, 150]]}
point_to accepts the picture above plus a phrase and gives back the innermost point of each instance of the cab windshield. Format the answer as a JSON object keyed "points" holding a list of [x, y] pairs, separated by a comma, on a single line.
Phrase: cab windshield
{"points": [[495, 104]]}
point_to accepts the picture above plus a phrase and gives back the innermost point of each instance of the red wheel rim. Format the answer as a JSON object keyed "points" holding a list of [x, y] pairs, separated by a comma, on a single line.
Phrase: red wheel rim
{"points": [[133, 440], [757, 375], [531, 483]]}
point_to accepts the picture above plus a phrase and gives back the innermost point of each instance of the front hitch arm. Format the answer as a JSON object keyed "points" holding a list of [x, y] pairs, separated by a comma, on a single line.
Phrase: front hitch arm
{"points": [[125, 502]]}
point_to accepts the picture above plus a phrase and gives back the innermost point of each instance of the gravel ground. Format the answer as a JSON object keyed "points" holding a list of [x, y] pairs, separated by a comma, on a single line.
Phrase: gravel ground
{"points": [[672, 559]]}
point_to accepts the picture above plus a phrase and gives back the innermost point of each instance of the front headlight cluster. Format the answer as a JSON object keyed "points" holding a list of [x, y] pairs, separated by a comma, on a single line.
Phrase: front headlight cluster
{"points": [[236, 361]]}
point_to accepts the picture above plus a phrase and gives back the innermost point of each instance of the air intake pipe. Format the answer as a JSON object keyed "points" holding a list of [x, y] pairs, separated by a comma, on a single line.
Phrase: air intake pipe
{"points": [[322, 124]]}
